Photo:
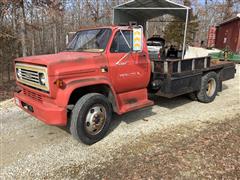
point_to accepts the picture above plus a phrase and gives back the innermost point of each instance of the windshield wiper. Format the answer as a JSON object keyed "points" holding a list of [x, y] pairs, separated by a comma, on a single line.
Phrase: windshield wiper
{"points": [[75, 50], [68, 49]]}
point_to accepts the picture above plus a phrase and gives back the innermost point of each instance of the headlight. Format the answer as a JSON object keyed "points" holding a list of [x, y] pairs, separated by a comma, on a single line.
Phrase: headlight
{"points": [[42, 79], [18, 73]]}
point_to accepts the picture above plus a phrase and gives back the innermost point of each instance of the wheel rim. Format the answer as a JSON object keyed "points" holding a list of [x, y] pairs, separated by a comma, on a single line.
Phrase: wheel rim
{"points": [[95, 119], [211, 87]]}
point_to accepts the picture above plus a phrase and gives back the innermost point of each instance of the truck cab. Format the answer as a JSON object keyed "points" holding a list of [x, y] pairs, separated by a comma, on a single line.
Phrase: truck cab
{"points": [[105, 70]]}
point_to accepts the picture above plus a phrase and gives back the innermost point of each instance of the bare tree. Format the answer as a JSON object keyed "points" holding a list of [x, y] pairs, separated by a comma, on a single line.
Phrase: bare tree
{"points": [[23, 29], [32, 30], [229, 9], [14, 25]]}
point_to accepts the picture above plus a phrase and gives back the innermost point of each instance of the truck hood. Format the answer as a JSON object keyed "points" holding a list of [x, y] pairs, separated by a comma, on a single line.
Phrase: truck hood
{"points": [[61, 57], [57, 63]]}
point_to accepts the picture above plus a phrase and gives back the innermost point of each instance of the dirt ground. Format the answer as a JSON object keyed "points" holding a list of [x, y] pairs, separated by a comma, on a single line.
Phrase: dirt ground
{"points": [[6, 90], [176, 138]]}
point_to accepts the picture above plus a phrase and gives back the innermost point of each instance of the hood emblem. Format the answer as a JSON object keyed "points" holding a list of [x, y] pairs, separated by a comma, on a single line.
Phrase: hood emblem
{"points": [[28, 75]]}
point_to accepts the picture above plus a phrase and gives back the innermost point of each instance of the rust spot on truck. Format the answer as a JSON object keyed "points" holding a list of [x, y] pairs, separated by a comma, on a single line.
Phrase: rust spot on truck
{"points": [[130, 101], [76, 60], [69, 60]]}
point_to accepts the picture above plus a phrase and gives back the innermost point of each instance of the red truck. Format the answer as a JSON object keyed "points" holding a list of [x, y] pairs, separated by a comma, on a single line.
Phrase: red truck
{"points": [[101, 72]]}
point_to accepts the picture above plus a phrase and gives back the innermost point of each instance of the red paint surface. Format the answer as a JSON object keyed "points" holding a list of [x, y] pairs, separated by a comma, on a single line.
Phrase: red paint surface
{"points": [[212, 36], [127, 80], [47, 112], [228, 36]]}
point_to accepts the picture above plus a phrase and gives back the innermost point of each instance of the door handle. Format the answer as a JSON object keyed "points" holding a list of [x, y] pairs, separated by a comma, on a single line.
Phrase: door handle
{"points": [[142, 55], [104, 69]]}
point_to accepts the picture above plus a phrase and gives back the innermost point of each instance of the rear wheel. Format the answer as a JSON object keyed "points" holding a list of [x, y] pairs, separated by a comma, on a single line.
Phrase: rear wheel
{"points": [[90, 119], [209, 87]]}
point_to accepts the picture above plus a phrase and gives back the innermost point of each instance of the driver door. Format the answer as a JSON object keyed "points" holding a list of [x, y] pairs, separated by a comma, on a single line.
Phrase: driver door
{"points": [[128, 70]]}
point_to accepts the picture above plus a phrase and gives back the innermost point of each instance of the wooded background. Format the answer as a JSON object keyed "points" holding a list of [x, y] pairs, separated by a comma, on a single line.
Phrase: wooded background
{"points": [[32, 27]]}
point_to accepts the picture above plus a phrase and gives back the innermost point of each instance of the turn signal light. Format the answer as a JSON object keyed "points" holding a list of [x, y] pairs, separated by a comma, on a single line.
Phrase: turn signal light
{"points": [[159, 56], [60, 84]]}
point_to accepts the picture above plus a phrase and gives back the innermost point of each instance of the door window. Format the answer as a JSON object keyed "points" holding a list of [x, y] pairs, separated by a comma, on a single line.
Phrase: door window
{"points": [[122, 42]]}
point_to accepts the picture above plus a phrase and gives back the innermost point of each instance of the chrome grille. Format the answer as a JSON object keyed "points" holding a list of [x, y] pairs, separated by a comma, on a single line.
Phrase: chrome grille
{"points": [[30, 75]]}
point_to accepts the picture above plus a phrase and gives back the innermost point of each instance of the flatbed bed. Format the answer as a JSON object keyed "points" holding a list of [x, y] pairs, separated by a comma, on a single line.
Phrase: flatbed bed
{"points": [[174, 77]]}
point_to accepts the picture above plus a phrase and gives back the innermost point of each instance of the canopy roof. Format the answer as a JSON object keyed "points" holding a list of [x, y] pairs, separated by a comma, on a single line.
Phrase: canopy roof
{"points": [[142, 10], [237, 17]]}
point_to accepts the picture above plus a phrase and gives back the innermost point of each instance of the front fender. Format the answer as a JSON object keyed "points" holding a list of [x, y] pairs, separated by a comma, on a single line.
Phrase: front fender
{"points": [[63, 95]]}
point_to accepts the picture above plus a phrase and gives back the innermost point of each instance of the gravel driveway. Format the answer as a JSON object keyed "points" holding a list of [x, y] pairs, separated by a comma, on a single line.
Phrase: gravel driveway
{"points": [[147, 143]]}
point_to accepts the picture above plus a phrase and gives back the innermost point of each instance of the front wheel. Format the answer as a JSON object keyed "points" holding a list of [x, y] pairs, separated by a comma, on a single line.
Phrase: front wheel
{"points": [[90, 119], [209, 88]]}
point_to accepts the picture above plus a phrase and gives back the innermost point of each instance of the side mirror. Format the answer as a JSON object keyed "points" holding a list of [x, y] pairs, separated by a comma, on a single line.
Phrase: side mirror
{"points": [[138, 39]]}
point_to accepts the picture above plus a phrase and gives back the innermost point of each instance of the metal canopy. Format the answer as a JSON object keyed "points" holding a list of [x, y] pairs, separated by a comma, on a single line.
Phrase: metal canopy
{"points": [[141, 11]]}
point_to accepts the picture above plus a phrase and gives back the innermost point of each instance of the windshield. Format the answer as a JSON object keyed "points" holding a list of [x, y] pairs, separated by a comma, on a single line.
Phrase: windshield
{"points": [[94, 40]]}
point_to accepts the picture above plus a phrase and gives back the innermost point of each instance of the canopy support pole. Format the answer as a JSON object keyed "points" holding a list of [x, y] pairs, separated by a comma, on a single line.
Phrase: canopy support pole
{"points": [[185, 34], [147, 30], [113, 19]]}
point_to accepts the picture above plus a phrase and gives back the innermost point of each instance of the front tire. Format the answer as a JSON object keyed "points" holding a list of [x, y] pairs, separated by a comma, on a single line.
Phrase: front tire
{"points": [[209, 88], [90, 118]]}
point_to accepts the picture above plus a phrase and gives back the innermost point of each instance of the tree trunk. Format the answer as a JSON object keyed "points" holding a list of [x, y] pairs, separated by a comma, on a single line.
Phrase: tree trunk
{"points": [[229, 9], [55, 37], [33, 33], [61, 33], [79, 8], [33, 44], [9, 69], [2, 66], [23, 30], [14, 25], [42, 32]]}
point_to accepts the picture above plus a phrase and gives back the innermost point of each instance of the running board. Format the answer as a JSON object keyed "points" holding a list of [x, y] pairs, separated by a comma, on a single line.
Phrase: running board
{"points": [[133, 100]]}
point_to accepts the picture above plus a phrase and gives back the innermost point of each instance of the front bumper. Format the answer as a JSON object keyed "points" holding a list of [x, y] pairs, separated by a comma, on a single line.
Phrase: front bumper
{"points": [[47, 112]]}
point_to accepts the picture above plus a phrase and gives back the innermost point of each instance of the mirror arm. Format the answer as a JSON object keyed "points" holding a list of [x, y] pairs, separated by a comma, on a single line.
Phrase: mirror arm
{"points": [[125, 39]]}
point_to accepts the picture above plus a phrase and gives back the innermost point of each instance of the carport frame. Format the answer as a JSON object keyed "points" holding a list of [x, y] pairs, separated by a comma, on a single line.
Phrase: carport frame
{"points": [[181, 7]]}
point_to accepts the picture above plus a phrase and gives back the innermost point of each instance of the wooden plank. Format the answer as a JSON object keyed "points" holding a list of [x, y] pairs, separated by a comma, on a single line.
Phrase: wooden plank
{"points": [[193, 64], [179, 67]]}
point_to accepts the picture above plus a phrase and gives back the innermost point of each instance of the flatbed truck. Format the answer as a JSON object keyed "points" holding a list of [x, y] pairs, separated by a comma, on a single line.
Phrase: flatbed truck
{"points": [[101, 72]]}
